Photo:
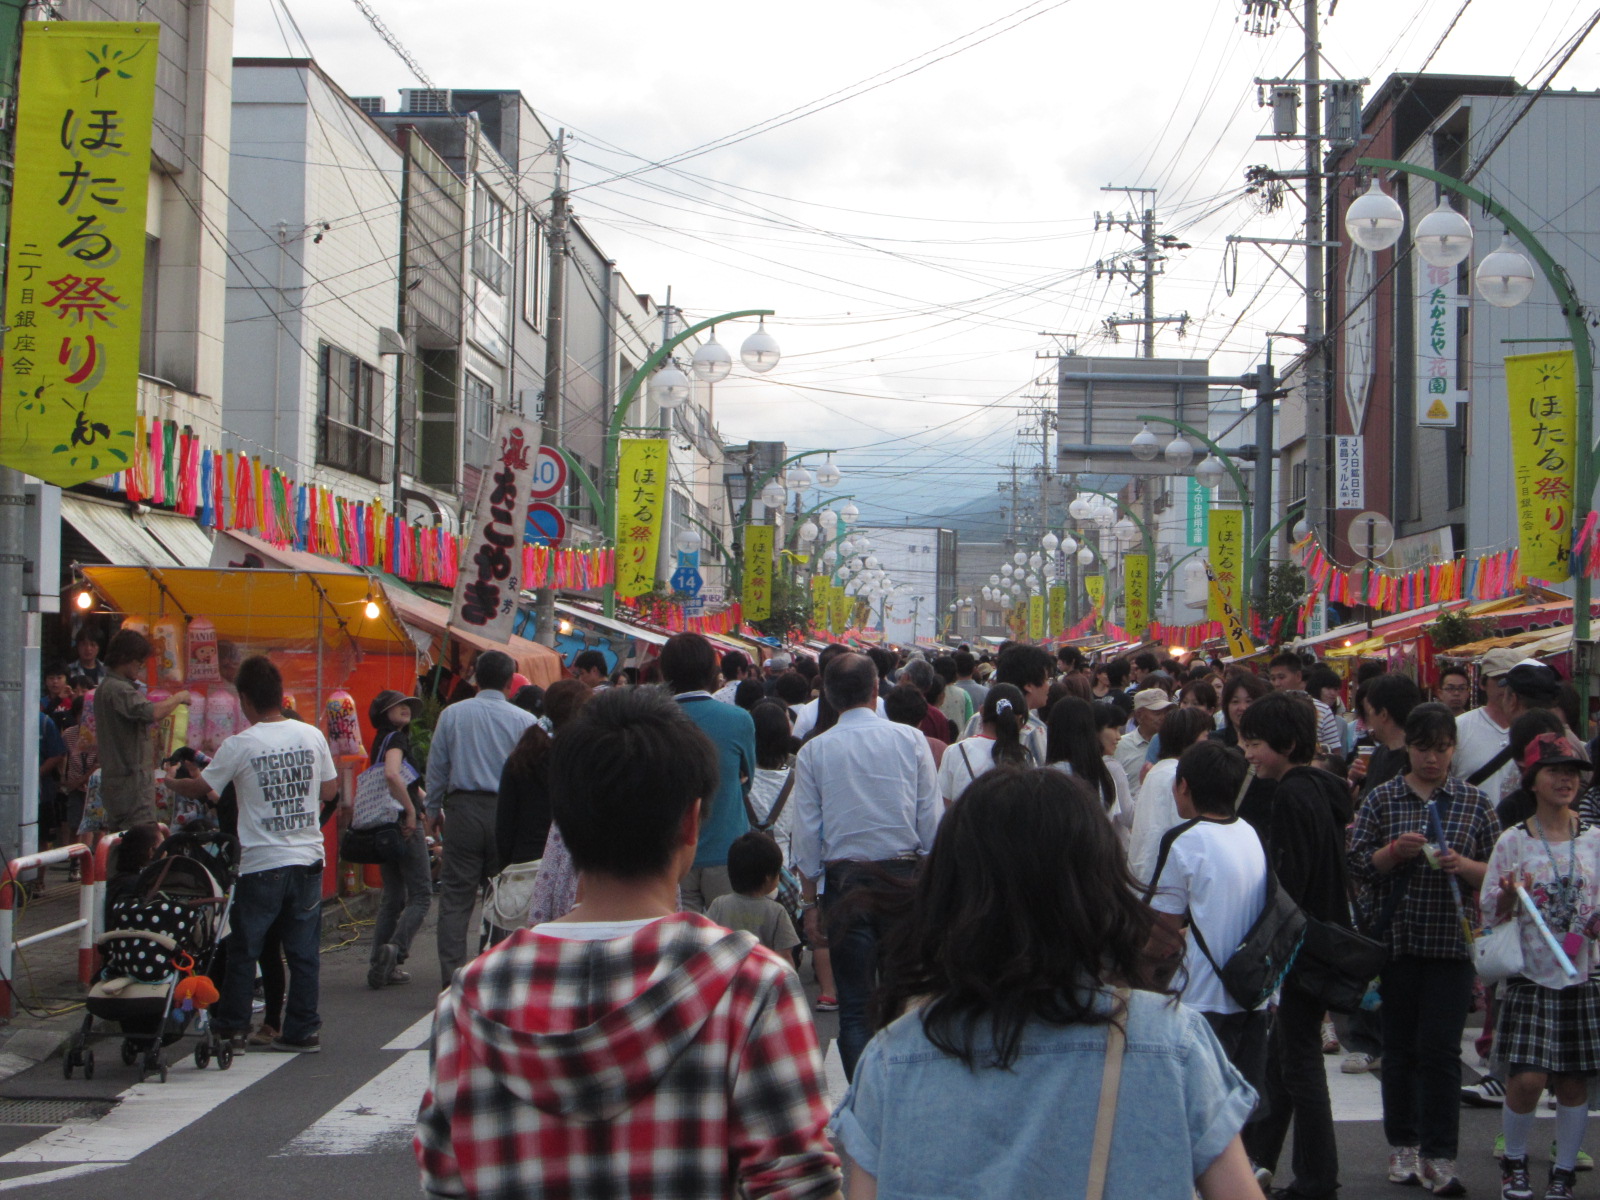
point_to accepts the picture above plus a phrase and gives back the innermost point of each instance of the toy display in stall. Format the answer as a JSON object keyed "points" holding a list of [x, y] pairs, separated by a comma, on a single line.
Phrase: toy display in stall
{"points": [[167, 636], [203, 662], [342, 726]]}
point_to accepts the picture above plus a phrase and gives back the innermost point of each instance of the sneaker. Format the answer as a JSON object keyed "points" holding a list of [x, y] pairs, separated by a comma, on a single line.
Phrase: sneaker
{"points": [[1405, 1165], [827, 1004], [1585, 1160], [384, 958], [1561, 1184], [307, 1045], [1330, 1038], [1514, 1181], [1488, 1092], [1439, 1176], [1499, 1145], [264, 1036], [1360, 1064], [1264, 1179], [399, 976], [239, 1043]]}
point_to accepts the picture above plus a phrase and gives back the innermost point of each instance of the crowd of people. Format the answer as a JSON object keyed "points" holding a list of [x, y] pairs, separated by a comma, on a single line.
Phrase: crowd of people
{"points": [[1029, 884]]}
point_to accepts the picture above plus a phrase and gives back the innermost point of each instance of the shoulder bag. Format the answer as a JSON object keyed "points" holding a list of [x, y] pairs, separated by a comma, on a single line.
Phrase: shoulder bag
{"points": [[1105, 1118], [788, 885], [510, 897], [374, 803]]}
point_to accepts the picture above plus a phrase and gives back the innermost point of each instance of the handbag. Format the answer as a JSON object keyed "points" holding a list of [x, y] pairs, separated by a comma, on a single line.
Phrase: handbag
{"points": [[1337, 965], [376, 844], [1497, 951], [510, 897], [374, 803], [1105, 1117]]}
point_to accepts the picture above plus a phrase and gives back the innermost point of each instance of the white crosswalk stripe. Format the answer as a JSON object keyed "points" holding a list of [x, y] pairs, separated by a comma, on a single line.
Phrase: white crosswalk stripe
{"points": [[376, 1118]]}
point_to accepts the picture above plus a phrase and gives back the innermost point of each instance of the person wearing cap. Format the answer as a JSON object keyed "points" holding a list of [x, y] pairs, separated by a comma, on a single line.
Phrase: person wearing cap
{"points": [[407, 883], [1483, 734], [1549, 1023], [772, 668], [1149, 708], [1418, 849]]}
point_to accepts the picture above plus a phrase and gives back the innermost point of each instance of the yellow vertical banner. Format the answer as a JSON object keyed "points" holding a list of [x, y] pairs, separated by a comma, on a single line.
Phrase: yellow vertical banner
{"points": [[75, 263], [1239, 643], [1225, 551], [819, 601], [1095, 585], [1058, 609], [1136, 582], [843, 605], [1036, 617], [1542, 389], [641, 495], [757, 572]]}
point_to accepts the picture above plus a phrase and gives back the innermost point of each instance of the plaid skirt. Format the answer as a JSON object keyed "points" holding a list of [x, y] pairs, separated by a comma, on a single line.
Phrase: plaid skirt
{"points": [[1549, 1029]]}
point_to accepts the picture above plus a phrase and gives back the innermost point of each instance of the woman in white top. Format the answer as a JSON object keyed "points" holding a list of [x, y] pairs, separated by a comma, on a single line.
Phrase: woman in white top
{"points": [[1107, 721], [774, 742], [998, 742], [1158, 808]]}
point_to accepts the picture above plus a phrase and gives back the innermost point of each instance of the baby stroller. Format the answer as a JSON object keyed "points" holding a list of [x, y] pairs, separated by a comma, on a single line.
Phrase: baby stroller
{"points": [[167, 930]]}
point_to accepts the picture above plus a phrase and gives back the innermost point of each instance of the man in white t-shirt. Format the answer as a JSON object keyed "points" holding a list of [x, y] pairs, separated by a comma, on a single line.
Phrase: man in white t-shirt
{"points": [[1214, 880], [282, 773], [1482, 733]]}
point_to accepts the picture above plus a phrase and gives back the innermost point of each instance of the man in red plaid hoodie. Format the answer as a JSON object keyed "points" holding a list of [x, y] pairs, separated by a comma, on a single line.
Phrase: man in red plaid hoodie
{"points": [[627, 1049]]}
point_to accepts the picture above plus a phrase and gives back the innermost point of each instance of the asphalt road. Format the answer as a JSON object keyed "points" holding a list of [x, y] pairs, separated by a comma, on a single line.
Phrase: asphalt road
{"points": [[339, 1123]]}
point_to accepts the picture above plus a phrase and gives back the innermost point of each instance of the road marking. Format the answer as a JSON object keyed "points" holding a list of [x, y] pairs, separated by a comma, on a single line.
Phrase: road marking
{"points": [[413, 1037], [833, 1074], [56, 1176], [378, 1117], [148, 1114]]}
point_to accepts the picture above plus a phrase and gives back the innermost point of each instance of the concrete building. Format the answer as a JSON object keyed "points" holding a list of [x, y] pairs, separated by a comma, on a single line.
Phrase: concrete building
{"points": [[922, 562]]}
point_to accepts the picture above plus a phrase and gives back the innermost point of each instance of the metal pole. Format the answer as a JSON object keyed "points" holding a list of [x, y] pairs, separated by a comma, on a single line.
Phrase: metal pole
{"points": [[1266, 386], [1148, 232], [555, 356]]}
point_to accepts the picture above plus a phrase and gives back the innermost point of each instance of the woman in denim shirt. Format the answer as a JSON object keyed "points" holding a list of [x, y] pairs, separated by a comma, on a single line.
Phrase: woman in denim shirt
{"points": [[1024, 919]]}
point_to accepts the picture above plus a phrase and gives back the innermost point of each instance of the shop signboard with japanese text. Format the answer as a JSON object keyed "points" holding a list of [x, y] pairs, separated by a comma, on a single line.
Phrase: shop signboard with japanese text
{"points": [[1349, 473], [641, 495], [75, 263], [1225, 552], [1438, 307], [758, 572], [491, 556], [1196, 510], [1542, 390]]}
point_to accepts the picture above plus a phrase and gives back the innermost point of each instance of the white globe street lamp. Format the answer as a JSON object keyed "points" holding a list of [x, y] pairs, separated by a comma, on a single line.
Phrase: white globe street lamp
{"points": [[872, 562], [1006, 569], [1085, 556], [828, 473], [1208, 471], [1069, 545], [1146, 445], [829, 520], [1020, 557], [863, 543], [1505, 277], [760, 351], [1443, 237], [712, 362], [847, 547], [849, 514], [1179, 452], [669, 387], [798, 479], [1049, 541], [994, 581], [772, 494], [1079, 509], [1374, 219], [1036, 561], [807, 533], [1126, 531], [687, 541]]}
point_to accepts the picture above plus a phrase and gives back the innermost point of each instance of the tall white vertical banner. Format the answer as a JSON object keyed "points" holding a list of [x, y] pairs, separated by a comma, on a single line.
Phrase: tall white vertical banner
{"points": [[1437, 306], [491, 556], [1349, 473]]}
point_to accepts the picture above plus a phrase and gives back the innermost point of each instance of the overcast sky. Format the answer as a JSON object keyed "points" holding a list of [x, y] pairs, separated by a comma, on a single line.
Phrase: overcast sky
{"points": [[919, 234]]}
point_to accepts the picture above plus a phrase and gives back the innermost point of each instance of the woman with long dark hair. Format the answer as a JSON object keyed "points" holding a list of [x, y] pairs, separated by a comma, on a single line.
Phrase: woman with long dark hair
{"points": [[1074, 746], [1239, 691], [407, 883], [1025, 931], [998, 742]]}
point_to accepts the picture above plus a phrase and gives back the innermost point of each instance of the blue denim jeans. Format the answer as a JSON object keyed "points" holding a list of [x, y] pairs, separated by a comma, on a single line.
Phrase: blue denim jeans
{"points": [[858, 905], [289, 898]]}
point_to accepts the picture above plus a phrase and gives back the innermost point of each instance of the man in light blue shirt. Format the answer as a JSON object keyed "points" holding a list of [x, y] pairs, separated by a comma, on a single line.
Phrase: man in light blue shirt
{"points": [[866, 803], [470, 746]]}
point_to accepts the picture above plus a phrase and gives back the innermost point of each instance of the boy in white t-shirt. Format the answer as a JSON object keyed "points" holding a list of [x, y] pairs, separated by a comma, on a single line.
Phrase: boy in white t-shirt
{"points": [[282, 772], [1212, 875]]}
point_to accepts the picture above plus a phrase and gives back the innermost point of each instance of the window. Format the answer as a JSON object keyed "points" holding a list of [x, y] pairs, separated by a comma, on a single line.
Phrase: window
{"points": [[533, 285], [349, 426], [478, 418], [491, 248]]}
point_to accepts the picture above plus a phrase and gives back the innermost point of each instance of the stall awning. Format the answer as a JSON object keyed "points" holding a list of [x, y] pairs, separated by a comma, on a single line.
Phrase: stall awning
{"points": [[127, 540], [610, 624], [539, 663]]}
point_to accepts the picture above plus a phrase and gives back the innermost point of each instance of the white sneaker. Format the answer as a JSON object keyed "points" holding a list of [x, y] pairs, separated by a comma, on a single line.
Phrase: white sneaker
{"points": [[1330, 1038], [1439, 1176], [1360, 1064], [1488, 1092], [1405, 1165]]}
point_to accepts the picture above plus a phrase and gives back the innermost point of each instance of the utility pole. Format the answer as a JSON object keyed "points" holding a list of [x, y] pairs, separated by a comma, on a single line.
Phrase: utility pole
{"points": [[1316, 350], [555, 357], [1145, 263]]}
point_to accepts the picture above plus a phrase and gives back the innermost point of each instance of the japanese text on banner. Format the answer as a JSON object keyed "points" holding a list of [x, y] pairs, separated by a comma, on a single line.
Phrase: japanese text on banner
{"points": [[490, 581], [1036, 617], [757, 572], [843, 606], [1542, 389], [1058, 608], [1095, 585], [75, 266], [1136, 579], [1225, 551], [1437, 321], [1239, 643], [819, 601], [1196, 512], [641, 493]]}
